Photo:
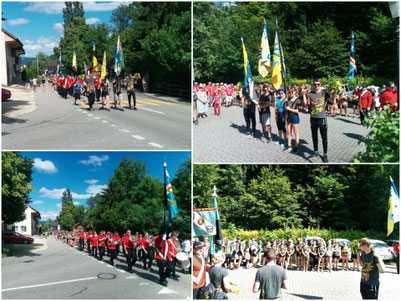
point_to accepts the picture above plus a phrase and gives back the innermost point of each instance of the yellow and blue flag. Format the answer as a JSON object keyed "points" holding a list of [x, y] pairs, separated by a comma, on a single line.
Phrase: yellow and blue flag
{"points": [[104, 71], [60, 63], [352, 61], [119, 62], [265, 63], [74, 61], [248, 75], [171, 202], [94, 59], [277, 79], [394, 208]]}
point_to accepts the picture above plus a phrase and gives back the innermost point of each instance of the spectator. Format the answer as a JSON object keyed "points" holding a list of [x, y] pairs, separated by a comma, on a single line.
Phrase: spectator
{"points": [[389, 97]]}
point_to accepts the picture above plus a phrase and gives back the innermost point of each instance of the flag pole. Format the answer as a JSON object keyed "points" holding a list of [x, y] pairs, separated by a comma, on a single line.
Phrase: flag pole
{"points": [[281, 55], [165, 197]]}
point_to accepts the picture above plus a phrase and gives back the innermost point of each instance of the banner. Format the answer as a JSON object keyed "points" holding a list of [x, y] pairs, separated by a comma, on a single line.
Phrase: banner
{"points": [[265, 63], [204, 222]]}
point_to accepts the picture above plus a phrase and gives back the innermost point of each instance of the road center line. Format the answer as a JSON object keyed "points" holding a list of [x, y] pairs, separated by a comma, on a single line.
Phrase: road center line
{"points": [[155, 145], [138, 137], [46, 284], [152, 111]]}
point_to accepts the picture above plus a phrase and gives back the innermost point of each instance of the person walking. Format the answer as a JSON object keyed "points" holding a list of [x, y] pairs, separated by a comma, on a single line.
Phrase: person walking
{"points": [[249, 113], [129, 83], [365, 103], [270, 278]]}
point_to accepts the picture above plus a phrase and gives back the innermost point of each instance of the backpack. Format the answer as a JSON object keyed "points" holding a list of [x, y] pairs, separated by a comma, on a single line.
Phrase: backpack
{"points": [[211, 292]]}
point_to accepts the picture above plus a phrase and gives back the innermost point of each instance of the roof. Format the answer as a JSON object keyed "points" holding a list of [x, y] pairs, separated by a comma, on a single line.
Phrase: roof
{"points": [[14, 42], [52, 64], [36, 211], [77, 224]]}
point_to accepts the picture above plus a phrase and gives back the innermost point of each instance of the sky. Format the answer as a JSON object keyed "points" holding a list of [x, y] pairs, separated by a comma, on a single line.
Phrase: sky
{"points": [[38, 25], [85, 174]]}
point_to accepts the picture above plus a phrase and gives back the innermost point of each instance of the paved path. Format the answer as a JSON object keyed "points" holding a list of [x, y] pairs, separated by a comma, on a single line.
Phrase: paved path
{"points": [[57, 124], [62, 272], [222, 140], [341, 285]]}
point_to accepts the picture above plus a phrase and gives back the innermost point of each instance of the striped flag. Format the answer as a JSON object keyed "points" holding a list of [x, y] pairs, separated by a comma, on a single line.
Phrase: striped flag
{"points": [[393, 208], [352, 62], [171, 202], [119, 62], [265, 63], [204, 222], [279, 69], [248, 74]]}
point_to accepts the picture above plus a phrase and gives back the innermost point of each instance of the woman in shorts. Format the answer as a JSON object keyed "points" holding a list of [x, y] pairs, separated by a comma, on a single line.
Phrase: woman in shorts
{"points": [[43, 83], [336, 255], [343, 103], [279, 111], [344, 255], [292, 108], [329, 255], [290, 254], [105, 88], [321, 253], [355, 252], [298, 253], [305, 256], [282, 252]]}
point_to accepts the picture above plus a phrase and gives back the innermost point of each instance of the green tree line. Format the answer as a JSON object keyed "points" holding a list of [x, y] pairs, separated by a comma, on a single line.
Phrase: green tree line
{"points": [[337, 197], [315, 37], [155, 36]]}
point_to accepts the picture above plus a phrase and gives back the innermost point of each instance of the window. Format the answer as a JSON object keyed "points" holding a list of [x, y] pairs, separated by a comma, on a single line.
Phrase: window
{"points": [[23, 228], [15, 228]]}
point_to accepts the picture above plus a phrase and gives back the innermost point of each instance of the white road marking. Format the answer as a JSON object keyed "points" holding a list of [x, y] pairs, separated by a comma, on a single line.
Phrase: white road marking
{"points": [[152, 110], [124, 131], [144, 283], [84, 112], [46, 284], [138, 137], [96, 117], [113, 125], [165, 290], [105, 121], [131, 277], [155, 145], [90, 114], [121, 271]]}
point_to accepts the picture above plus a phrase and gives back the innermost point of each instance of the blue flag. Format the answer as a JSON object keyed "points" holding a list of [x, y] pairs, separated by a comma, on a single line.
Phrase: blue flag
{"points": [[171, 202], [352, 62], [60, 63]]}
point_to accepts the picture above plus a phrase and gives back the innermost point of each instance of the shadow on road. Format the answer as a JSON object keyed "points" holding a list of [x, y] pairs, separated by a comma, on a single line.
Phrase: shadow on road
{"points": [[348, 121], [11, 120], [306, 296], [148, 276], [354, 136], [21, 250]]}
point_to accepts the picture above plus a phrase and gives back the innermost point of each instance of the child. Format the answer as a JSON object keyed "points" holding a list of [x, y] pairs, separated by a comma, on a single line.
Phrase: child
{"points": [[217, 103]]}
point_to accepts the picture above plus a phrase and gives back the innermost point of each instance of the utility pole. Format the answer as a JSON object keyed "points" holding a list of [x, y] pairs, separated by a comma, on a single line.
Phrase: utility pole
{"points": [[37, 64]]}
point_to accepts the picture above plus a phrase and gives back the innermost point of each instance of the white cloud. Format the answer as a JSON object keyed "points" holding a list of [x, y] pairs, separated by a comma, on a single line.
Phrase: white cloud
{"points": [[58, 193], [95, 189], [91, 21], [37, 202], [59, 205], [57, 7], [91, 181], [77, 203], [28, 41], [58, 26], [95, 160], [48, 214], [45, 166], [18, 21], [44, 44], [33, 47]]}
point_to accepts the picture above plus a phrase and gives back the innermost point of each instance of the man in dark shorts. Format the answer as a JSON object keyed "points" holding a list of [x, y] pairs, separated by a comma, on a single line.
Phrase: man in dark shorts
{"points": [[371, 265], [316, 101], [270, 278], [129, 83]]}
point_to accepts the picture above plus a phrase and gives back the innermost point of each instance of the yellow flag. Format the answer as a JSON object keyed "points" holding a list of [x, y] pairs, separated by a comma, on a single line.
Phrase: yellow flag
{"points": [[277, 79], [74, 61], [103, 74], [264, 66]]}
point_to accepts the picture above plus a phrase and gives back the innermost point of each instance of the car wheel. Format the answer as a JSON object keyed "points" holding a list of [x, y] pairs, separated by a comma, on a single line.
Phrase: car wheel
{"points": [[25, 241]]}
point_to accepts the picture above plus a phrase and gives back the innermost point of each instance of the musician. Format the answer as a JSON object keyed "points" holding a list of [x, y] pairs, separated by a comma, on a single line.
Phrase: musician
{"points": [[108, 236], [116, 237], [138, 243], [81, 237], [172, 250], [112, 242], [128, 246], [161, 256], [102, 244], [199, 269], [145, 248], [94, 243], [88, 237]]}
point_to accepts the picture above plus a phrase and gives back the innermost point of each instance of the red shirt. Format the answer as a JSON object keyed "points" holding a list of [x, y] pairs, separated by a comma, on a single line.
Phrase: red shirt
{"points": [[113, 246], [389, 98], [230, 91], [397, 248], [101, 243], [366, 100], [128, 244], [161, 248], [88, 235], [81, 235], [94, 241], [172, 247], [97, 84], [145, 243], [212, 91]]}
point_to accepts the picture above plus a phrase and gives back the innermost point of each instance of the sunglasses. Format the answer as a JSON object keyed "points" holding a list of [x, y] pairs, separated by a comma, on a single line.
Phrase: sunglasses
{"points": [[316, 85]]}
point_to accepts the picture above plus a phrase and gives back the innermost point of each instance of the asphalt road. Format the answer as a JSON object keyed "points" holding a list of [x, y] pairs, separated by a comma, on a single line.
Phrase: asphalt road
{"points": [[62, 272], [57, 124]]}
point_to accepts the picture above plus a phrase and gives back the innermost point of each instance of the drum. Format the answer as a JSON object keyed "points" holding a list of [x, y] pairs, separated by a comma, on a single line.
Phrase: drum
{"points": [[183, 260]]}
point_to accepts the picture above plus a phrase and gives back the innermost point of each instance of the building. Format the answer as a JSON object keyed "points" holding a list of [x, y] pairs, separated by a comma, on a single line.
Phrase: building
{"points": [[29, 226], [51, 68], [78, 227], [12, 49]]}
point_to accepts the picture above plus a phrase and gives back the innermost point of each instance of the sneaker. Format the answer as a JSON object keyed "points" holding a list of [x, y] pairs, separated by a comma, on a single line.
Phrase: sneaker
{"points": [[268, 139], [252, 135], [284, 144], [325, 160], [247, 135], [278, 142]]}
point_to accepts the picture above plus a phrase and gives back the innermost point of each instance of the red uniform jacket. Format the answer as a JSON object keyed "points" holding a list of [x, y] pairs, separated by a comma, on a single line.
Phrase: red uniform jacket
{"points": [[161, 248], [366, 100]]}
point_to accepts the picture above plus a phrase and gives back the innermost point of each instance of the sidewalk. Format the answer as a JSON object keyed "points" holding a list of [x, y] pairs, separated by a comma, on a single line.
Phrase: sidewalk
{"points": [[22, 101], [17, 250], [165, 97]]}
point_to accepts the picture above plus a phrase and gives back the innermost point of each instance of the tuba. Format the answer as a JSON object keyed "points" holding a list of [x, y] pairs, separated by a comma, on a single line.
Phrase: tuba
{"points": [[133, 238]]}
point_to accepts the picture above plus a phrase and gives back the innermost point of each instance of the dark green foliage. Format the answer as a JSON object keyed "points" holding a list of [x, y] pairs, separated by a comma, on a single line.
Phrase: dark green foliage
{"points": [[16, 178], [337, 197], [315, 37], [72, 10]]}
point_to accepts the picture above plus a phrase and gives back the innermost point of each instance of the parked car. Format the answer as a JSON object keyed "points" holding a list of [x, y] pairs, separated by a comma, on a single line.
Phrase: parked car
{"points": [[340, 243], [391, 244], [347, 89], [5, 94], [12, 237], [309, 239], [381, 249]]}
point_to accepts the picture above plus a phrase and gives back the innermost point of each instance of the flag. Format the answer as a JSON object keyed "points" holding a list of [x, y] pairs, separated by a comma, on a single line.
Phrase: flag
{"points": [[265, 63], [204, 222], [103, 74], [352, 62], [277, 79], [248, 75], [94, 59], [283, 62], [171, 202], [60, 63], [393, 208], [86, 69], [119, 63], [219, 234], [74, 61]]}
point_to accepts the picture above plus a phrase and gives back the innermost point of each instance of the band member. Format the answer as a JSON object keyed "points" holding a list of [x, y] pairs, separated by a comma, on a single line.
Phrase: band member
{"points": [[108, 236], [172, 250], [199, 270], [94, 244], [88, 237], [102, 244], [81, 237], [161, 256], [112, 242], [128, 246], [145, 247]]}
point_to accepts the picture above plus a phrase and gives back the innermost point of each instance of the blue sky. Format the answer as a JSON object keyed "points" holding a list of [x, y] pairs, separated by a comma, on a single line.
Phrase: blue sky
{"points": [[85, 174], [38, 25]]}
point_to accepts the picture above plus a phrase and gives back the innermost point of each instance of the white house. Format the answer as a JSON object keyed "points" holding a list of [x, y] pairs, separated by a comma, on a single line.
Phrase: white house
{"points": [[11, 49], [30, 225]]}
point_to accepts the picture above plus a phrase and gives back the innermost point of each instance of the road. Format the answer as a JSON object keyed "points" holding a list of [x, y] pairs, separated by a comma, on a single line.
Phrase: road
{"points": [[62, 272], [222, 140], [341, 285], [57, 124]]}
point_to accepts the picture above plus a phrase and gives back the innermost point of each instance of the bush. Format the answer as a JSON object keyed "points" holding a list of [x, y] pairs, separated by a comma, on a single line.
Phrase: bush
{"points": [[382, 143]]}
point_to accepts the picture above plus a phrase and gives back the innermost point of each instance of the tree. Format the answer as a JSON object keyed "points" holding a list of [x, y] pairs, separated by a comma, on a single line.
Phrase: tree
{"points": [[16, 186], [66, 217], [72, 10]]}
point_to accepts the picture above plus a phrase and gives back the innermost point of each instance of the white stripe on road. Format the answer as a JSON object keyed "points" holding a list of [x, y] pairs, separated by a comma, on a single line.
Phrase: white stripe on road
{"points": [[84, 112], [105, 121], [124, 130], [166, 291], [96, 117], [113, 125], [143, 283], [131, 277], [152, 111], [138, 137], [155, 145], [46, 284], [121, 271], [90, 114]]}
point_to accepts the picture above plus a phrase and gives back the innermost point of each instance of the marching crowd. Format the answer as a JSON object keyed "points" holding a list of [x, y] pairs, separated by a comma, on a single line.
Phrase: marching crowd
{"points": [[168, 252], [274, 258], [286, 103], [94, 88]]}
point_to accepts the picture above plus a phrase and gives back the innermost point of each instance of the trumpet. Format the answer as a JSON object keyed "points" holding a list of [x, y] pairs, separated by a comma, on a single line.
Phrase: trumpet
{"points": [[133, 238]]}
